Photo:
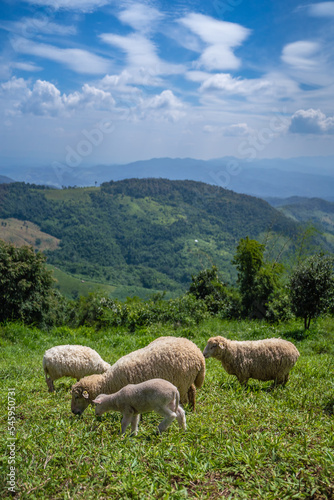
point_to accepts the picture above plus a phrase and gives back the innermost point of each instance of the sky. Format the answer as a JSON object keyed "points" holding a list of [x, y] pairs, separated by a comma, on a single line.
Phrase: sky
{"points": [[103, 81]]}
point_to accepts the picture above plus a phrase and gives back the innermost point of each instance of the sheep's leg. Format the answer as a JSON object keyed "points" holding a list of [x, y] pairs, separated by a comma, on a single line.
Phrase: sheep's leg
{"points": [[168, 415], [50, 385], [243, 381], [192, 396], [134, 424], [181, 418], [126, 420], [281, 381]]}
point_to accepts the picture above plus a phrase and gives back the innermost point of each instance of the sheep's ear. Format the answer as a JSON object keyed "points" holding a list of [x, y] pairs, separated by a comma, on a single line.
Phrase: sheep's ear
{"points": [[85, 394], [97, 401]]}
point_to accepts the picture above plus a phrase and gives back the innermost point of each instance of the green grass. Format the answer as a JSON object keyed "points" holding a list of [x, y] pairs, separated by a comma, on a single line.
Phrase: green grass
{"points": [[72, 287], [241, 443]]}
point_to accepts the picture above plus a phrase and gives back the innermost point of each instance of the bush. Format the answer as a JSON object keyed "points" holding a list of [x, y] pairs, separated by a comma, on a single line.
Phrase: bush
{"points": [[102, 312], [311, 288], [26, 287], [279, 306]]}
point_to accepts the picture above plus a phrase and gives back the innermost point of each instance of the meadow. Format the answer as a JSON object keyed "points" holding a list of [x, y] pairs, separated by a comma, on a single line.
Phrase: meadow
{"points": [[248, 443]]}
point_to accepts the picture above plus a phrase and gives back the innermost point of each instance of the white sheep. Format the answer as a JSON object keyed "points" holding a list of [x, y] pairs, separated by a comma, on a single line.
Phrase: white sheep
{"points": [[175, 359], [134, 399], [75, 361], [267, 359]]}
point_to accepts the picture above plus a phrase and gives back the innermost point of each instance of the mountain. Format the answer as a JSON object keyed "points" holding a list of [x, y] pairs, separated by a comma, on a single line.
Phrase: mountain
{"points": [[304, 176], [151, 234], [316, 212], [5, 180]]}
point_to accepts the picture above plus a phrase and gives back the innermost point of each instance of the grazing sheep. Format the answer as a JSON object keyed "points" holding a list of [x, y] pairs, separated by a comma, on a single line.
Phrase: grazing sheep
{"points": [[71, 361], [268, 359], [134, 399], [177, 360]]}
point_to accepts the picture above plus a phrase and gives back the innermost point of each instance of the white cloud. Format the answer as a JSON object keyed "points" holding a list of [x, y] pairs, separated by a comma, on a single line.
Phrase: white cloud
{"points": [[163, 106], [26, 66], [140, 51], [220, 37], [124, 81], [224, 82], [301, 55], [80, 61], [141, 17], [78, 5], [14, 85], [90, 97], [272, 85], [311, 121], [44, 99], [322, 9]]}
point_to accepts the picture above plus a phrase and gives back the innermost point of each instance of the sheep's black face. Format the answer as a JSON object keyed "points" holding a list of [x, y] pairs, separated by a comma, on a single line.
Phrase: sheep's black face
{"points": [[79, 402], [77, 412]]}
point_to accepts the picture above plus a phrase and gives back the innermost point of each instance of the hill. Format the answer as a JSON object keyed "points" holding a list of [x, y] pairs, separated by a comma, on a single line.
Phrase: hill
{"points": [[150, 234], [278, 177], [20, 233], [5, 180], [317, 212]]}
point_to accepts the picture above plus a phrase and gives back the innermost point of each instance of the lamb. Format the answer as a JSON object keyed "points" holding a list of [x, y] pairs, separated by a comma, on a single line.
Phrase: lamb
{"points": [[134, 399], [177, 360], [71, 361], [268, 359]]}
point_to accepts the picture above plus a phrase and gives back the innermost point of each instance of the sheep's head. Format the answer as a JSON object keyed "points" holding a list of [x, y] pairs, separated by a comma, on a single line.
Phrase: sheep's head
{"points": [[80, 399], [214, 347], [100, 407]]}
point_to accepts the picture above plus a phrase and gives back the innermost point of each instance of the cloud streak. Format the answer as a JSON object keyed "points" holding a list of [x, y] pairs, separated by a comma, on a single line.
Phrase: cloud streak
{"points": [[79, 60], [76, 5]]}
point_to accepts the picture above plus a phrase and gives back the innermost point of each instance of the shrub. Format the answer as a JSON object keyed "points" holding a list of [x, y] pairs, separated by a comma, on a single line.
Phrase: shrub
{"points": [[311, 287], [26, 286]]}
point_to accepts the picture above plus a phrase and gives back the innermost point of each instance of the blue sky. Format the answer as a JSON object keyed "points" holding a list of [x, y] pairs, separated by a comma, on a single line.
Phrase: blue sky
{"points": [[106, 81]]}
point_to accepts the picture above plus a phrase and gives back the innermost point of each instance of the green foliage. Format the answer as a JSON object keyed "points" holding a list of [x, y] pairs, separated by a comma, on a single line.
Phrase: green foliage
{"points": [[148, 233], [279, 306], [219, 299], [311, 287], [241, 443], [257, 280], [103, 312], [26, 286]]}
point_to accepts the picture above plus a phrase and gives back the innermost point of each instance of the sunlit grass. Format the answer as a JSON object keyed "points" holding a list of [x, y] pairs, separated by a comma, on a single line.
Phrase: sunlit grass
{"points": [[241, 443]]}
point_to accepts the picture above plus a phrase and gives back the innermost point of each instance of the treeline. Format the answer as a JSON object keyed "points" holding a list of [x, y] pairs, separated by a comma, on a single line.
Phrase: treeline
{"points": [[263, 291]]}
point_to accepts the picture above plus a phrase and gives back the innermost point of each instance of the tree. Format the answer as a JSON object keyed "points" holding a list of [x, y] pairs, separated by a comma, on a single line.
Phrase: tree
{"points": [[207, 286], [311, 287], [26, 286], [256, 278]]}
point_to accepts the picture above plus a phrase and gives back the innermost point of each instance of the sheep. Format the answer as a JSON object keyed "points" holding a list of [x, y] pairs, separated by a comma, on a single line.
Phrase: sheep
{"points": [[71, 361], [134, 399], [177, 360], [268, 359]]}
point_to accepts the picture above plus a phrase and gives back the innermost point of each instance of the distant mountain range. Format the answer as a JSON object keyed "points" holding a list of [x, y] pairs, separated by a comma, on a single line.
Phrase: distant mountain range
{"points": [[273, 178]]}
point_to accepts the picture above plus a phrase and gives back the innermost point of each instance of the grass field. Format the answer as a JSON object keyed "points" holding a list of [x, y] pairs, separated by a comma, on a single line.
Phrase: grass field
{"points": [[241, 443]]}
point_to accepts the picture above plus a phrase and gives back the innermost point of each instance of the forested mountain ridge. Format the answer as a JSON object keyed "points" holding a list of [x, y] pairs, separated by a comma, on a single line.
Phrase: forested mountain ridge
{"points": [[151, 233]]}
